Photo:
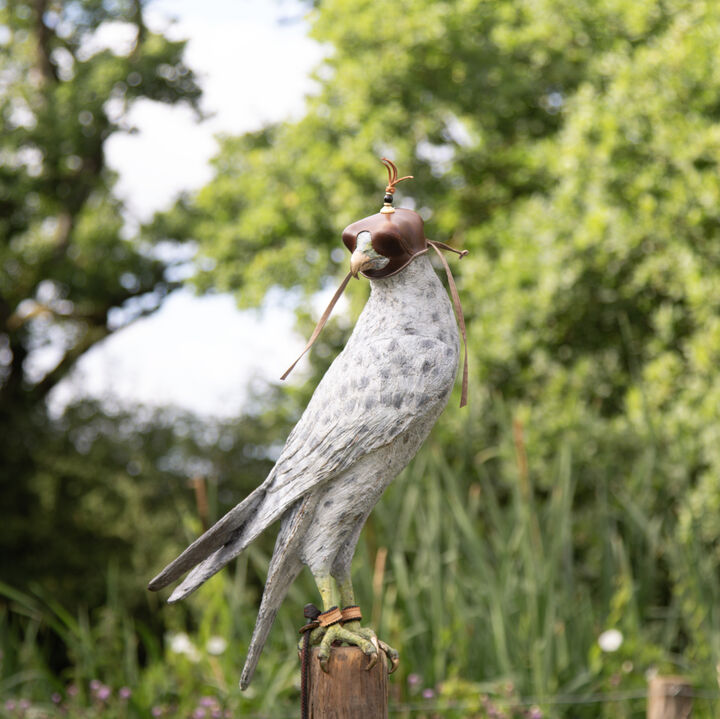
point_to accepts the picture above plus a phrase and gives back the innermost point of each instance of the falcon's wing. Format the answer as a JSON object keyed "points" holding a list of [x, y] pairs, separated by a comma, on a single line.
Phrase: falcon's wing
{"points": [[370, 394]]}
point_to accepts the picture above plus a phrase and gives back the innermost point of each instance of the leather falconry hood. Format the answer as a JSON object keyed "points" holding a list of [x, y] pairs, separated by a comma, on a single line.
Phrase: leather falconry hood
{"points": [[398, 235]]}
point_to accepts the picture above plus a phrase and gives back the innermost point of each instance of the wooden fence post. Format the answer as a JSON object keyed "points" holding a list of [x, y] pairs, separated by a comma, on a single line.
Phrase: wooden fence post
{"points": [[348, 691], [669, 698]]}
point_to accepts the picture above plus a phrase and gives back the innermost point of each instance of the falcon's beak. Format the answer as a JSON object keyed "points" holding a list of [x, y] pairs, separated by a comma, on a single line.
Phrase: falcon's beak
{"points": [[359, 262]]}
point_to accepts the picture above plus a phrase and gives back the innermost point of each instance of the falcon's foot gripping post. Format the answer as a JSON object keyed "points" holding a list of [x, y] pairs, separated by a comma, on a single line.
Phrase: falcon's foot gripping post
{"points": [[338, 627], [352, 618], [352, 627]]}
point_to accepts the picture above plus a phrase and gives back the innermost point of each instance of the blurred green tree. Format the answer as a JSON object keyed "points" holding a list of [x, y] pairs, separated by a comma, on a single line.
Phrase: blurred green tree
{"points": [[69, 273], [464, 95]]}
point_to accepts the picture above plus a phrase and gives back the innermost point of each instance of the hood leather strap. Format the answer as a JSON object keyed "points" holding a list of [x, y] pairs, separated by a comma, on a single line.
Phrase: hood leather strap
{"points": [[458, 310], [321, 322]]}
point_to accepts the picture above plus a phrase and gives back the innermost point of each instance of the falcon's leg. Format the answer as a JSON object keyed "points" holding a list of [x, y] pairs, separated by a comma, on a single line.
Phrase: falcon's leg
{"points": [[326, 587], [347, 599], [326, 637], [330, 568], [346, 633], [351, 632]]}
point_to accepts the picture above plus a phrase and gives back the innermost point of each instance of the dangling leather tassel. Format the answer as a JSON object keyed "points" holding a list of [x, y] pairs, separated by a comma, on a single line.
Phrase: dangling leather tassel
{"points": [[458, 310], [321, 322], [443, 246]]}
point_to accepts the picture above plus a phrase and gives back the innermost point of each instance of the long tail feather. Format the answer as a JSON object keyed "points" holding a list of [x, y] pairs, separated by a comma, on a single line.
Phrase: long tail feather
{"points": [[273, 597], [218, 559], [219, 534], [206, 569], [284, 569]]}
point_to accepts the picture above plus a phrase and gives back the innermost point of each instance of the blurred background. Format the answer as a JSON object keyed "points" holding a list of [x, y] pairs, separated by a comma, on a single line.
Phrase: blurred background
{"points": [[174, 178]]}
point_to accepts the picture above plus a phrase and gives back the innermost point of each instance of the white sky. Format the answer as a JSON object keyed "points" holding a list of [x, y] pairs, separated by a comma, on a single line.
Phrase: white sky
{"points": [[201, 352]]}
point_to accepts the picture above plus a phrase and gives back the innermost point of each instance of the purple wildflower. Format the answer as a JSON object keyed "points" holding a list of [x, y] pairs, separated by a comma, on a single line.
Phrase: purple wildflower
{"points": [[55, 698], [95, 684], [208, 702], [157, 711], [72, 690], [10, 705], [199, 713], [535, 713], [103, 693], [124, 693], [413, 680], [428, 693]]}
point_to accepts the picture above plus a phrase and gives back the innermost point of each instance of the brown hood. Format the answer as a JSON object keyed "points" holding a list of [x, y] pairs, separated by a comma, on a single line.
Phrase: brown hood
{"points": [[399, 236]]}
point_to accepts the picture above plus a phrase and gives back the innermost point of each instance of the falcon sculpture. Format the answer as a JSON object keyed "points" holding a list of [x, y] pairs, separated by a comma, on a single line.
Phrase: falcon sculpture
{"points": [[366, 420]]}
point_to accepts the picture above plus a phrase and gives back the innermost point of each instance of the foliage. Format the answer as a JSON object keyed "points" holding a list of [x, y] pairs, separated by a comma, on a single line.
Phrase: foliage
{"points": [[104, 469], [69, 273], [616, 339]]}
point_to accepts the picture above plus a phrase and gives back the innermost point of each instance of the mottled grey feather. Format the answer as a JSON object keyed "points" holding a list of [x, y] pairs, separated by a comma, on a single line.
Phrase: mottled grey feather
{"points": [[373, 417]]}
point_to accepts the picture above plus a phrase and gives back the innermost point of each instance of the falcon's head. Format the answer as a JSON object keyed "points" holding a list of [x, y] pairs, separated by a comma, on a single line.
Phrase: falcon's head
{"points": [[384, 243]]}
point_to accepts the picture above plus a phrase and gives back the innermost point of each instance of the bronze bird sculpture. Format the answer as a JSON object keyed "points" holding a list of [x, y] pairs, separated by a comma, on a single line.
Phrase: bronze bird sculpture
{"points": [[368, 417]]}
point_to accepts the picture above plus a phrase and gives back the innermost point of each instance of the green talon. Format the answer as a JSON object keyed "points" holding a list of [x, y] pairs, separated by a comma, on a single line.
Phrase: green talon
{"points": [[352, 634], [339, 633]]}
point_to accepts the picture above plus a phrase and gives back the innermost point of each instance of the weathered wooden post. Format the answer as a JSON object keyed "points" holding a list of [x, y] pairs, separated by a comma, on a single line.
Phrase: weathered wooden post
{"points": [[348, 691], [669, 698]]}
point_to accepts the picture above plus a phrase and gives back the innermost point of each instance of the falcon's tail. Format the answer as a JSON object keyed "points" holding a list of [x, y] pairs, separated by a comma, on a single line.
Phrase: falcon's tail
{"points": [[284, 568], [226, 539], [227, 530]]}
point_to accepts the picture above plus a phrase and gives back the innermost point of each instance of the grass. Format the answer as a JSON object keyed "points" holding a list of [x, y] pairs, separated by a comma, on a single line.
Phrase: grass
{"points": [[481, 575]]}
